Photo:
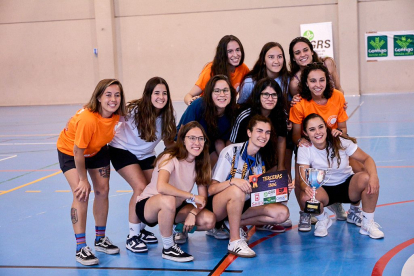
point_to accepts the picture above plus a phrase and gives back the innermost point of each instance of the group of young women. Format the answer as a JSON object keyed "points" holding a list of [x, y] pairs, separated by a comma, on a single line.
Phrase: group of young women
{"points": [[237, 123]]}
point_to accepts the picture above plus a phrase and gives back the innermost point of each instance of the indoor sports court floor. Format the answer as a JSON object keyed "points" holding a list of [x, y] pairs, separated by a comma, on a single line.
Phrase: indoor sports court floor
{"points": [[36, 235]]}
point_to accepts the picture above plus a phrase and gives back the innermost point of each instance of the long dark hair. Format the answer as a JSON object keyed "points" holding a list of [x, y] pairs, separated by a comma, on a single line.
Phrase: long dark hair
{"points": [[210, 113], [145, 113], [220, 64], [268, 152], [278, 113], [178, 150], [304, 89], [259, 70], [333, 144], [294, 67]]}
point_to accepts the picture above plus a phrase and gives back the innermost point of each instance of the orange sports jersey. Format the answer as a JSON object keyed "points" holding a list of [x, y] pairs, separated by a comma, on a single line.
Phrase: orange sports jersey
{"points": [[332, 112], [235, 78], [88, 130]]}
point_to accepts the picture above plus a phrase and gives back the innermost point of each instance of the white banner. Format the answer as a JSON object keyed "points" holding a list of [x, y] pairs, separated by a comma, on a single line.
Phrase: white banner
{"points": [[320, 35], [397, 45]]}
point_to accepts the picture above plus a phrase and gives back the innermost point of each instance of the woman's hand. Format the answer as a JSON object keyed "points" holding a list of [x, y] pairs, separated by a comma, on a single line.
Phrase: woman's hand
{"points": [[295, 99], [345, 106], [83, 190], [242, 184], [291, 185], [193, 99], [189, 222], [289, 126], [200, 201], [309, 191], [304, 143], [336, 132], [373, 185]]}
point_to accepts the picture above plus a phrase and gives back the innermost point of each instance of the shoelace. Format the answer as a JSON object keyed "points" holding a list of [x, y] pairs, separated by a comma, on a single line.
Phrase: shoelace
{"points": [[176, 247], [305, 218], [87, 251], [373, 224], [106, 240]]}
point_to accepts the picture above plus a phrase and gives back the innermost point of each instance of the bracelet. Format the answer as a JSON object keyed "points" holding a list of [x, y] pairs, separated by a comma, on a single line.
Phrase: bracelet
{"points": [[192, 198], [193, 214], [339, 130]]}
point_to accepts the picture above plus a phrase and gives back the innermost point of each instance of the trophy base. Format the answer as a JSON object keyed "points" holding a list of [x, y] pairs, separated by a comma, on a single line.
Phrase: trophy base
{"points": [[312, 207]]}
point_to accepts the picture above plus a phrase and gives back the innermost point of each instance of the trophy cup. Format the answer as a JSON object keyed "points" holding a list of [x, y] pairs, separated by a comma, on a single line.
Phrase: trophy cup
{"points": [[315, 179]]}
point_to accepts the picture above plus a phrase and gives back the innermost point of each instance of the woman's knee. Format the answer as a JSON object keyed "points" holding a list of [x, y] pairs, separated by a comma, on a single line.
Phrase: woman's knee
{"points": [[102, 191], [208, 220], [168, 202]]}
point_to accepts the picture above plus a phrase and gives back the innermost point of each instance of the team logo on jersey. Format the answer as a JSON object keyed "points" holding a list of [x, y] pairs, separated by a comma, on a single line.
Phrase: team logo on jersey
{"points": [[332, 120]]}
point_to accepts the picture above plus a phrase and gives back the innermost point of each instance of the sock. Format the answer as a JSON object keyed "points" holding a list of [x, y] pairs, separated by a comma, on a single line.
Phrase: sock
{"points": [[80, 241], [134, 229], [321, 216], [142, 226], [100, 232], [167, 241], [353, 208], [367, 216]]}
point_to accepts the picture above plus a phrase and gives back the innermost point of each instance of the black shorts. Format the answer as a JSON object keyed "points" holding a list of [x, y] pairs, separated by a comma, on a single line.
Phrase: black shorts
{"points": [[121, 158], [140, 207], [339, 193], [99, 160], [209, 205]]}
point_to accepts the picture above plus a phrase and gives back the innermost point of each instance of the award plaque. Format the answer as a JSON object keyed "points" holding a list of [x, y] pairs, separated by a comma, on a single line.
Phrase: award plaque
{"points": [[269, 187]]}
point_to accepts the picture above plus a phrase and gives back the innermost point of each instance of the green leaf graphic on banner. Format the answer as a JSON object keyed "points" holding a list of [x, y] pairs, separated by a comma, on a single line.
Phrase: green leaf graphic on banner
{"points": [[404, 45], [309, 35], [377, 46]]}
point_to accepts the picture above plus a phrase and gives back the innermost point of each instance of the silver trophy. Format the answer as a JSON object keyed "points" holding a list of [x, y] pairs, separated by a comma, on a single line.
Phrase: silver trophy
{"points": [[315, 178]]}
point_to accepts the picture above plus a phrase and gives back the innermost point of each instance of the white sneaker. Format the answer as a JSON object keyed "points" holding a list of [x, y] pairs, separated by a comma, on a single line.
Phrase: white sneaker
{"points": [[287, 223], [218, 233], [371, 228], [241, 249], [321, 227], [338, 210], [244, 230]]}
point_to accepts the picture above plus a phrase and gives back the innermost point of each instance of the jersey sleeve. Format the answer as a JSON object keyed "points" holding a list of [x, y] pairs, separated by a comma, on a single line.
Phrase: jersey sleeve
{"points": [[223, 166], [204, 77], [191, 113], [350, 147], [246, 90], [163, 165], [85, 129], [303, 156], [296, 114]]}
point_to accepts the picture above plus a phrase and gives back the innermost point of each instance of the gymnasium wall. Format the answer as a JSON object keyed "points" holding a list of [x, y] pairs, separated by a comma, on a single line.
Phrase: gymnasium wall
{"points": [[46, 46]]}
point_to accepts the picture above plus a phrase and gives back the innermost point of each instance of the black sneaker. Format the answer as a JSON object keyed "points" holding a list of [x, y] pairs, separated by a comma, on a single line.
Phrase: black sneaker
{"points": [[174, 253], [86, 257], [148, 236], [106, 246], [136, 245]]}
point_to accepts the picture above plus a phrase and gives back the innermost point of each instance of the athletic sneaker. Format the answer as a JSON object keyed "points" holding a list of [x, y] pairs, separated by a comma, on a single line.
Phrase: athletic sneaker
{"points": [[241, 249], [287, 223], [304, 222], [243, 230], [313, 219], [371, 228], [218, 233], [106, 246], [135, 244], [321, 227], [354, 216], [338, 210], [180, 237], [148, 236], [174, 253], [86, 257], [276, 228]]}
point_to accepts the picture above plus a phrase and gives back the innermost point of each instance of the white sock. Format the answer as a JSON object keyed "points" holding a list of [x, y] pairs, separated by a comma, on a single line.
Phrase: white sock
{"points": [[167, 241], [368, 216], [321, 216], [142, 225], [134, 229]]}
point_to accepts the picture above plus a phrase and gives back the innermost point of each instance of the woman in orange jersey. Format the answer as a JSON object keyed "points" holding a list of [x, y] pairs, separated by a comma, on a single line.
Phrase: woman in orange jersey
{"points": [[228, 61], [82, 147]]}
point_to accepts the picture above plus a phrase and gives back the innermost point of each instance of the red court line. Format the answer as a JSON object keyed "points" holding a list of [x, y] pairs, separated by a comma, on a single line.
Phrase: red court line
{"points": [[230, 258], [383, 261]]}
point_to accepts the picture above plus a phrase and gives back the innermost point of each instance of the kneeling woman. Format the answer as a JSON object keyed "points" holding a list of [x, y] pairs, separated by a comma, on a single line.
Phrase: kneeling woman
{"points": [[163, 200], [230, 189], [343, 186]]}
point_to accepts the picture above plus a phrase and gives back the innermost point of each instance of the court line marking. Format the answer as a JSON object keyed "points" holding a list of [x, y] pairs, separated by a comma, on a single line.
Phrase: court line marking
{"points": [[118, 268], [33, 191], [352, 114], [30, 183], [230, 258], [385, 136], [9, 157], [384, 260], [28, 135], [49, 170], [25, 144]]}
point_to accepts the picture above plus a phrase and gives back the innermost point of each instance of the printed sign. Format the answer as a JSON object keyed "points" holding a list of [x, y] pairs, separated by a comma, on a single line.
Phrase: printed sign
{"points": [[398, 45], [269, 188], [320, 35]]}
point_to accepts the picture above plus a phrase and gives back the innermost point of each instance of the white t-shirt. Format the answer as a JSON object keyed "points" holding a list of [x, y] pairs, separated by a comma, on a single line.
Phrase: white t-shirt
{"points": [[127, 138], [182, 176], [317, 158]]}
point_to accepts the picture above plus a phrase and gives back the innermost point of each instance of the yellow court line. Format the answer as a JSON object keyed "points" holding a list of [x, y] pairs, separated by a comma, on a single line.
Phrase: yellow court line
{"points": [[33, 191], [124, 191], [62, 191], [30, 183]]}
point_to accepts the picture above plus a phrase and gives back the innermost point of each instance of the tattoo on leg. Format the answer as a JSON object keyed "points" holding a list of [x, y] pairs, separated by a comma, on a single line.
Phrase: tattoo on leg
{"points": [[74, 215], [105, 171]]}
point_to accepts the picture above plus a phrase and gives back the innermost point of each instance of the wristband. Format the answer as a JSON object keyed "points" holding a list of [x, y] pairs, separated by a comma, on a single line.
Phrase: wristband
{"points": [[193, 214], [339, 130]]}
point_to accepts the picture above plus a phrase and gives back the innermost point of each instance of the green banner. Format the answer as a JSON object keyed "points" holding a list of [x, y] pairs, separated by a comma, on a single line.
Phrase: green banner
{"points": [[404, 45], [377, 46]]}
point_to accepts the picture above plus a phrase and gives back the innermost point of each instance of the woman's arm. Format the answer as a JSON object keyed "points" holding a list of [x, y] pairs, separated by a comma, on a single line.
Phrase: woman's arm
{"points": [[293, 86], [343, 130], [296, 135], [217, 187], [192, 95], [303, 186], [168, 143], [370, 167], [281, 150], [84, 188], [330, 64], [164, 188]]}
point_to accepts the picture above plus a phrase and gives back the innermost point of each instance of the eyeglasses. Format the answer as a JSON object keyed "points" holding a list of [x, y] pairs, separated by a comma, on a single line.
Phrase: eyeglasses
{"points": [[193, 139], [218, 91], [267, 95], [314, 64]]}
